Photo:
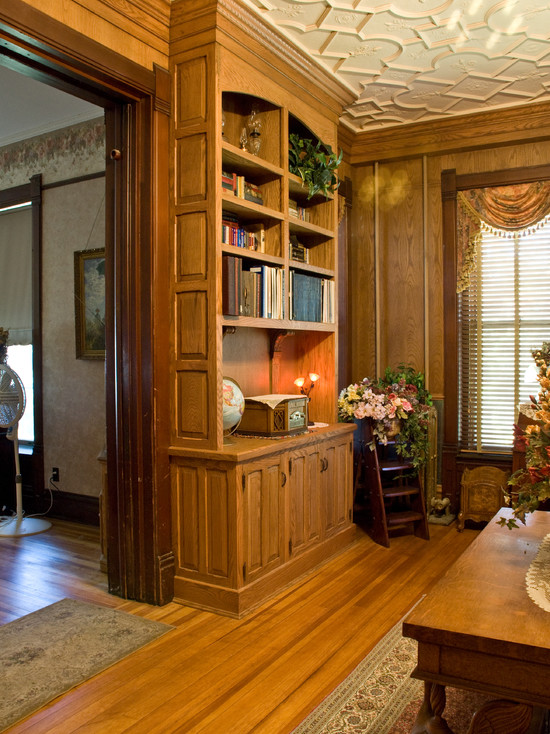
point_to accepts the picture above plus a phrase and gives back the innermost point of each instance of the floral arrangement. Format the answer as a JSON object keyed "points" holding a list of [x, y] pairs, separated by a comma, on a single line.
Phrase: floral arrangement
{"points": [[398, 395], [531, 485]]}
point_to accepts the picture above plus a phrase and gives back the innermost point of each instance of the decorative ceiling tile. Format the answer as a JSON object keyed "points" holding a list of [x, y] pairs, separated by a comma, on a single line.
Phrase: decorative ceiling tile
{"points": [[451, 67], [412, 60], [531, 50], [476, 88]]}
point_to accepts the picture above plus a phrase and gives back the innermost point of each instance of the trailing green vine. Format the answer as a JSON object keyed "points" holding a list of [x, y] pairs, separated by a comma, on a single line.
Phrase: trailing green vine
{"points": [[315, 163]]}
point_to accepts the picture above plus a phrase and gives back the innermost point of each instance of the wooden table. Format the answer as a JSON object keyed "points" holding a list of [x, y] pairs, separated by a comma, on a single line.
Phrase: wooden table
{"points": [[478, 629]]}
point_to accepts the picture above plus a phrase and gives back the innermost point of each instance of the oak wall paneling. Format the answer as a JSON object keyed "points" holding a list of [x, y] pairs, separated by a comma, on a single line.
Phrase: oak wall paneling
{"points": [[482, 143], [362, 283]]}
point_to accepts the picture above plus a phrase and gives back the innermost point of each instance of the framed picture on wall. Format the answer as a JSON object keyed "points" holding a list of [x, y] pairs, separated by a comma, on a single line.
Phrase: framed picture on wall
{"points": [[89, 303]]}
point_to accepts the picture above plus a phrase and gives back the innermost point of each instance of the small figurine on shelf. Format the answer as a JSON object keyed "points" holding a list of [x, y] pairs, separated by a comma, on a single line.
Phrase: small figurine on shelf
{"points": [[254, 126], [243, 140]]}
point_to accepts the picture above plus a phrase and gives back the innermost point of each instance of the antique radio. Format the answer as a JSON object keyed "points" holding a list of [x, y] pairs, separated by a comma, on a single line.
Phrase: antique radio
{"points": [[274, 415]]}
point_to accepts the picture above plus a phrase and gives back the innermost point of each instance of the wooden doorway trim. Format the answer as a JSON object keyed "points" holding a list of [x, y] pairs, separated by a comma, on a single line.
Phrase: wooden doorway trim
{"points": [[136, 102]]}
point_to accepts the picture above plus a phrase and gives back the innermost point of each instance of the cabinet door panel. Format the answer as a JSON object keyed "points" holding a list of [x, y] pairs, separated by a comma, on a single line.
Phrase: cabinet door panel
{"points": [[263, 512], [305, 500], [335, 482]]}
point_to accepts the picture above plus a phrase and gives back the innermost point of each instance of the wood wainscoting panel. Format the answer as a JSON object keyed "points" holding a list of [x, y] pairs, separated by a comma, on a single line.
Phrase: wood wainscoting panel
{"points": [[191, 403], [362, 293], [186, 530], [191, 97], [191, 166], [401, 258], [191, 263], [220, 523], [191, 335]]}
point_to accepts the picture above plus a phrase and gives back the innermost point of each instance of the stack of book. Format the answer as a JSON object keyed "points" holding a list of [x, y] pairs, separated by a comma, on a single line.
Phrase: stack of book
{"points": [[311, 298], [241, 188], [250, 236], [297, 252], [297, 211], [257, 291]]}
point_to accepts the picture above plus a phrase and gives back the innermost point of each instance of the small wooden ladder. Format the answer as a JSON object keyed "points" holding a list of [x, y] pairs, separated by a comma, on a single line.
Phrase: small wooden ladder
{"points": [[394, 488]]}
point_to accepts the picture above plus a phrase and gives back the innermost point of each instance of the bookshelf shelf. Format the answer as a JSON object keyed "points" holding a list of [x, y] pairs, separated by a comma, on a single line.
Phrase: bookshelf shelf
{"points": [[248, 210], [306, 267], [248, 164], [298, 226], [278, 324], [253, 255]]}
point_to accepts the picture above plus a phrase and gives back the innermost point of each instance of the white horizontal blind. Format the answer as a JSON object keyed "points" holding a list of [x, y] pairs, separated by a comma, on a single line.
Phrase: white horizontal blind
{"points": [[505, 314]]}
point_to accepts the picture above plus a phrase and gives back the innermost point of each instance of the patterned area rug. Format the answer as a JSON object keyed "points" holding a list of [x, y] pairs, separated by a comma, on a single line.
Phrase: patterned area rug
{"points": [[48, 652], [380, 697], [374, 695]]}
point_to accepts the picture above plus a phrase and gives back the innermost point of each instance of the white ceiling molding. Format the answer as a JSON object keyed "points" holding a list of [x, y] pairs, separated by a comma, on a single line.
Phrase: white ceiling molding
{"points": [[419, 60]]}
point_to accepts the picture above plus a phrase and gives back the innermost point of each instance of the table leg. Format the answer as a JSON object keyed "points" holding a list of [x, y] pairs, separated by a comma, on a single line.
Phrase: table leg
{"points": [[502, 717], [430, 717]]}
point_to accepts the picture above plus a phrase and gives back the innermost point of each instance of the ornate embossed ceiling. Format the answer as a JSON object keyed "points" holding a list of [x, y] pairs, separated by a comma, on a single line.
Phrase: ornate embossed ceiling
{"points": [[417, 60]]}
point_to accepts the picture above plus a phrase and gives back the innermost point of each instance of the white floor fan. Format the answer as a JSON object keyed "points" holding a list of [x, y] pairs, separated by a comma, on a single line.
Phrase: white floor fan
{"points": [[12, 407]]}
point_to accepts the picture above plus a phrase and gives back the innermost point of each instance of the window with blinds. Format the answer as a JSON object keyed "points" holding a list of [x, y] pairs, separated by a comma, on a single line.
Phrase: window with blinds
{"points": [[503, 316]]}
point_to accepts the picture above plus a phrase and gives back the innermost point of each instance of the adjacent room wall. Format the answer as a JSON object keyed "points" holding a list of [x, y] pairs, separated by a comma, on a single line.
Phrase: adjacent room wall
{"points": [[73, 218]]}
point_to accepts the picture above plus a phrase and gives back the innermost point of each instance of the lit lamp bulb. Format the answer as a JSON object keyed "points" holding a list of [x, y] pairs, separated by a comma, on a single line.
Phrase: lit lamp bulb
{"points": [[301, 383]]}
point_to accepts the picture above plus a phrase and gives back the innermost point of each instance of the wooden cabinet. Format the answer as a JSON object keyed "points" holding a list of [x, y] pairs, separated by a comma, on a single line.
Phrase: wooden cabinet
{"points": [[320, 498], [255, 519], [239, 308]]}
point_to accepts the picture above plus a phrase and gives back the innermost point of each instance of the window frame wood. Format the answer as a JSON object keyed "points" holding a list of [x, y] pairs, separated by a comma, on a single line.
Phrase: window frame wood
{"points": [[454, 460]]}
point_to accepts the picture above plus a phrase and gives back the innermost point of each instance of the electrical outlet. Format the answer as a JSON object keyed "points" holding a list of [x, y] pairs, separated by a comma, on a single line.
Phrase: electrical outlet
{"points": [[55, 474]]}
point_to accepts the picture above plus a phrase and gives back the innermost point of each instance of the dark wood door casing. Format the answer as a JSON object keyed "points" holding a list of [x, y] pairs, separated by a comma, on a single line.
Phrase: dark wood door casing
{"points": [[136, 102], [452, 461]]}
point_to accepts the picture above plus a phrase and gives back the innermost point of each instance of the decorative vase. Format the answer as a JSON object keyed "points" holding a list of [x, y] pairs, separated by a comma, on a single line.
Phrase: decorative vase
{"points": [[394, 427]]}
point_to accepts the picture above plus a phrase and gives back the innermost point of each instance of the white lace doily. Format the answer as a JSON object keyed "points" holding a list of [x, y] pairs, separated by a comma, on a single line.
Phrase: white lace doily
{"points": [[537, 579]]}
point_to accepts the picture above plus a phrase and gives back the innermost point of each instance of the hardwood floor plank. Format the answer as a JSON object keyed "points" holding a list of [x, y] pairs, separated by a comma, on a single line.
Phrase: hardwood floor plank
{"points": [[213, 674]]}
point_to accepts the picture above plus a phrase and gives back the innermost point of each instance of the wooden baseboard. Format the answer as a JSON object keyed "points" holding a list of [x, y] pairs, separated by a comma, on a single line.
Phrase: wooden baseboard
{"points": [[66, 506], [237, 603]]}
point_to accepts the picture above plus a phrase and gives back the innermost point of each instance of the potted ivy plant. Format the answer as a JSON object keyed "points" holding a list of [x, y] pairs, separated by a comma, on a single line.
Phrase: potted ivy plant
{"points": [[315, 163]]}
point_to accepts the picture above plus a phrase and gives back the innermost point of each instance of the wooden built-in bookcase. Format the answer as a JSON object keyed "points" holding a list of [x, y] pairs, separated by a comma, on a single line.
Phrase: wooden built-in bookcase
{"points": [[250, 515]]}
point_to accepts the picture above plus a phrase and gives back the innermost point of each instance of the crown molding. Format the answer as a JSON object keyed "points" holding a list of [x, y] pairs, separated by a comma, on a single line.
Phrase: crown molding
{"points": [[511, 126]]}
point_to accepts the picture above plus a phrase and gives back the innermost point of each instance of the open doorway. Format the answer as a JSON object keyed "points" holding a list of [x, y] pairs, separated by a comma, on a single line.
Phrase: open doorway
{"points": [[62, 151], [136, 101]]}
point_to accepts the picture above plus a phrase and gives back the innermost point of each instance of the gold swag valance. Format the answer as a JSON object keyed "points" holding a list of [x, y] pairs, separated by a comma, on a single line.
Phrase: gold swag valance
{"points": [[517, 208]]}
